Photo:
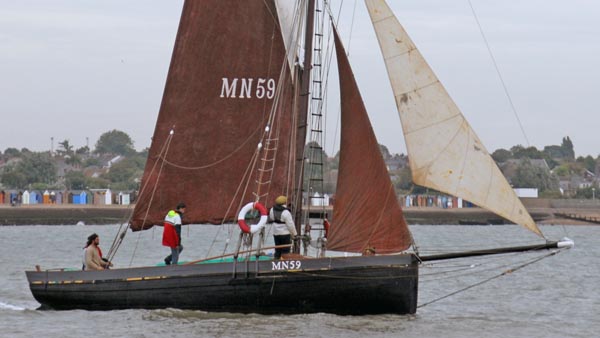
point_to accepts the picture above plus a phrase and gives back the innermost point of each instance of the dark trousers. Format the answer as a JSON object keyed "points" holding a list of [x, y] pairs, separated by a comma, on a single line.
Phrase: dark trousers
{"points": [[173, 258], [282, 240]]}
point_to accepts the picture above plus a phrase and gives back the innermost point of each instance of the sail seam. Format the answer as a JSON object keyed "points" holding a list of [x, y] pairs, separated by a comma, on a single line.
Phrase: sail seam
{"points": [[437, 123], [418, 88], [383, 19], [395, 56]]}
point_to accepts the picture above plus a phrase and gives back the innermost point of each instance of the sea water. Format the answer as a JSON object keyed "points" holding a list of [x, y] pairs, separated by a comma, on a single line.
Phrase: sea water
{"points": [[511, 295]]}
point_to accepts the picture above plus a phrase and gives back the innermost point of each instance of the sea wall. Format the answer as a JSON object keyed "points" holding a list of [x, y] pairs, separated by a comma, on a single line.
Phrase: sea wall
{"points": [[63, 214], [561, 203], [542, 211]]}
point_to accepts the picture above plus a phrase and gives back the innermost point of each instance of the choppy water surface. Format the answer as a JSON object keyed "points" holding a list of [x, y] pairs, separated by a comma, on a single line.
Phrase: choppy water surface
{"points": [[558, 296]]}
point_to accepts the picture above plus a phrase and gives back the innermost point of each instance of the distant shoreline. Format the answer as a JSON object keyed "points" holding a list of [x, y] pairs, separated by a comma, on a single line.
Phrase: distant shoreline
{"points": [[70, 214], [63, 214]]}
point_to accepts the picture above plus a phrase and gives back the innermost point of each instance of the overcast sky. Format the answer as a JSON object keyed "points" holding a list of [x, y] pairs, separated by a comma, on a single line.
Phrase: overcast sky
{"points": [[76, 69]]}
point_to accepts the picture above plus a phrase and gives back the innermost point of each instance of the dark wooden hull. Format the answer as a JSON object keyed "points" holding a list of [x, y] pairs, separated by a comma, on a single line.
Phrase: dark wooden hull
{"points": [[341, 285]]}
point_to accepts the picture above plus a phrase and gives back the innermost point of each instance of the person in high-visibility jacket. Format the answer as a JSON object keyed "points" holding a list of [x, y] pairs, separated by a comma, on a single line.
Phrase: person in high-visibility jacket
{"points": [[172, 233]]}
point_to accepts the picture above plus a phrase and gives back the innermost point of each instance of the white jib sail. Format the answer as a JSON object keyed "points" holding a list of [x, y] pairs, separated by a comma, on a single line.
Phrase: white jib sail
{"points": [[445, 153]]}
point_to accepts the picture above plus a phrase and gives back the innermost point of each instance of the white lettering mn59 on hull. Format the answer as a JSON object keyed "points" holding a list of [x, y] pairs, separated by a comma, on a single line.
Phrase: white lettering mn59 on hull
{"points": [[286, 265], [247, 88]]}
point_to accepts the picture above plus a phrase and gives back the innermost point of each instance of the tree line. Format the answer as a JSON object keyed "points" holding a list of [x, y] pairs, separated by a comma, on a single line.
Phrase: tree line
{"points": [[24, 169]]}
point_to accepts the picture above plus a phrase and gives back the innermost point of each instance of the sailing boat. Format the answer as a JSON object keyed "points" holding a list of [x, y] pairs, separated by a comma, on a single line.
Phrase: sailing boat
{"points": [[230, 136]]}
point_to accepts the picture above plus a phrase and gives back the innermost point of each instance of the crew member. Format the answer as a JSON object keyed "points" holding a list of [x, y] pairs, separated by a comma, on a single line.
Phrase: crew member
{"points": [[172, 233], [283, 228], [92, 255]]}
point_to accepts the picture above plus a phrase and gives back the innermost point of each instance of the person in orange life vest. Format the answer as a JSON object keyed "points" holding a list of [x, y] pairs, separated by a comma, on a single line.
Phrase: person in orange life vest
{"points": [[284, 227], [172, 233], [92, 255]]}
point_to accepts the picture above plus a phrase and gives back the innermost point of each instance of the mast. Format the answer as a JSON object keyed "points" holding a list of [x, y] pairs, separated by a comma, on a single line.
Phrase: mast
{"points": [[304, 97]]}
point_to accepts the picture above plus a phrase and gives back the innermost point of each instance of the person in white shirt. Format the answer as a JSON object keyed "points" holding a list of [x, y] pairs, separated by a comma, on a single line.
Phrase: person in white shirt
{"points": [[283, 227]]}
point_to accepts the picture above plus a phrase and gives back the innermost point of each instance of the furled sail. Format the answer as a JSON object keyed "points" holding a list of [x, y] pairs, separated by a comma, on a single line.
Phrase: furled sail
{"points": [[228, 73], [366, 214], [445, 153]]}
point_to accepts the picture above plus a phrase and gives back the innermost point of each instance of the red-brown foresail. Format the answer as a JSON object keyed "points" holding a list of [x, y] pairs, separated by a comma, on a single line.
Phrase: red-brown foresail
{"points": [[366, 213]]}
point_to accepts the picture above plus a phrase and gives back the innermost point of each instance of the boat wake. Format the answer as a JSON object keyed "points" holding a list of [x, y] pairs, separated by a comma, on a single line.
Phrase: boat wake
{"points": [[170, 313], [5, 306]]}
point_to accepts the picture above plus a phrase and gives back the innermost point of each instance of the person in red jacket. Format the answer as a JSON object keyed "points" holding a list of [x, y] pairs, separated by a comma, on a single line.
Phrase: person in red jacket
{"points": [[172, 233]]}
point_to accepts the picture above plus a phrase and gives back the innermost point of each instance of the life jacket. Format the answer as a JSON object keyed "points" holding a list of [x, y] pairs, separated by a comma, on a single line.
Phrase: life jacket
{"points": [[277, 211]]}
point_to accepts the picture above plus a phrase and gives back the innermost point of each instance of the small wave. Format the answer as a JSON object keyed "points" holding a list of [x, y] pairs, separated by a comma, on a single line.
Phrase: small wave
{"points": [[5, 306]]}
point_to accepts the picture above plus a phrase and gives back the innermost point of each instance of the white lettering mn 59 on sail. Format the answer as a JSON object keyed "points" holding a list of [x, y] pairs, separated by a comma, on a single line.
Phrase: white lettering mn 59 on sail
{"points": [[248, 88]]}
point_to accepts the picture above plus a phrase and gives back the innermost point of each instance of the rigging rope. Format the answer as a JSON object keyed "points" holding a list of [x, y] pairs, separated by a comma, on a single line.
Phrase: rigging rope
{"points": [[535, 260], [351, 28], [215, 162], [457, 268], [329, 53], [118, 240], [499, 74], [166, 149]]}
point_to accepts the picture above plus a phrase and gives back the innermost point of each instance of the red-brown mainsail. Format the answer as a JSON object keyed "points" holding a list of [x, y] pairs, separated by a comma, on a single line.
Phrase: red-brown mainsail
{"points": [[227, 71], [366, 212]]}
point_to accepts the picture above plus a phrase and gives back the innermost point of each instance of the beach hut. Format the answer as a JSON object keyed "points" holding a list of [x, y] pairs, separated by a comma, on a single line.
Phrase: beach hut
{"points": [[108, 197], [124, 198], [46, 197], [101, 196], [78, 197], [14, 198], [25, 197], [83, 197], [74, 198], [2, 197], [96, 196], [33, 197]]}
